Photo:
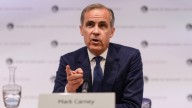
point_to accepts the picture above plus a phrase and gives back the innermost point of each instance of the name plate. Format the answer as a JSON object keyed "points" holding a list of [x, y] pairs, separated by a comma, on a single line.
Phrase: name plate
{"points": [[77, 100]]}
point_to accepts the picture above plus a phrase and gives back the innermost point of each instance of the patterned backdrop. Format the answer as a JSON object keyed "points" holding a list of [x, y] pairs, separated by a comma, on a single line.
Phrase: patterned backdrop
{"points": [[35, 33]]}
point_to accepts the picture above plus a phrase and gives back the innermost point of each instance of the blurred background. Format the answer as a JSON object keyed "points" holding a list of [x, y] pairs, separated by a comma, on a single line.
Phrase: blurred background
{"points": [[35, 33]]}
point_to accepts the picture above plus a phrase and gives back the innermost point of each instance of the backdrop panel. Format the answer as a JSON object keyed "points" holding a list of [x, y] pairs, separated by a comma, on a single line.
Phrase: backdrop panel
{"points": [[35, 33]]}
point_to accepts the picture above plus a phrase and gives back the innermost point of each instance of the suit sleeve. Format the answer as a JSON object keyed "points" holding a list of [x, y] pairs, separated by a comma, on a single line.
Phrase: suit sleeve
{"points": [[60, 80], [133, 93]]}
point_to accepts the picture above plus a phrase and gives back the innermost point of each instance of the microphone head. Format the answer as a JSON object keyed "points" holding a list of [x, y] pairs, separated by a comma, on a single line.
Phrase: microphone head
{"points": [[146, 103], [85, 86]]}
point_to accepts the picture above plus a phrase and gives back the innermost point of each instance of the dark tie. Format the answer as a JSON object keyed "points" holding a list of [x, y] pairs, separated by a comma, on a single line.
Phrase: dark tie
{"points": [[98, 75]]}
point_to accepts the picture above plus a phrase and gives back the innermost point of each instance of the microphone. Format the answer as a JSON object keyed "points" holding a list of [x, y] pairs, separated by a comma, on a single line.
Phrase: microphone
{"points": [[146, 103], [85, 86]]}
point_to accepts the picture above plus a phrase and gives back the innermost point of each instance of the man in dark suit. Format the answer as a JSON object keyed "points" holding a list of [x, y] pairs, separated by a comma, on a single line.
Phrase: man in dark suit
{"points": [[121, 66]]}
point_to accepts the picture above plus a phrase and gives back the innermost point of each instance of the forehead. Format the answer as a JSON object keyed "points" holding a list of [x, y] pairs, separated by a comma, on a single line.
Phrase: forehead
{"points": [[100, 14]]}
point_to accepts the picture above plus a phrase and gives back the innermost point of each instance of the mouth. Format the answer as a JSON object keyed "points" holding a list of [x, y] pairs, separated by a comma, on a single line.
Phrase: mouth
{"points": [[95, 40]]}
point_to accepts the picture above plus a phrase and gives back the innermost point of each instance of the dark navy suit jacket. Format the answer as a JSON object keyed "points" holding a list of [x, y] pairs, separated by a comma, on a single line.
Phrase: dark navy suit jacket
{"points": [[123, 74]]}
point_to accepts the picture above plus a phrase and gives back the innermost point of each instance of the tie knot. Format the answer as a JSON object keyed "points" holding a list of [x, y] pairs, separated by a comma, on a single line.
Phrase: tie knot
{"points": [[98, 60]]}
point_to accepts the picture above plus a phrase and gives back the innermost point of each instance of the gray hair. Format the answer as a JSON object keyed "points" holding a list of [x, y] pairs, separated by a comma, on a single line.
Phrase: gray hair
{"points": [[97, 6]]}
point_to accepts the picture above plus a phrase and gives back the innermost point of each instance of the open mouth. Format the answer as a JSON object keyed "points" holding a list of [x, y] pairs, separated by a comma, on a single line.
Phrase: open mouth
{"points": [[95, 40]]}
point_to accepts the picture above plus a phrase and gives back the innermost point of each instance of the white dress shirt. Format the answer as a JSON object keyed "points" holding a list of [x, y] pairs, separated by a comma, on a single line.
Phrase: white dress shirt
{"points": [[93, 62]]}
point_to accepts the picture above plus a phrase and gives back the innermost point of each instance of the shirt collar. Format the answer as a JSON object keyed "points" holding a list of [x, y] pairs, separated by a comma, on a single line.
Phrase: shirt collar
{"points": [[91, 55]]}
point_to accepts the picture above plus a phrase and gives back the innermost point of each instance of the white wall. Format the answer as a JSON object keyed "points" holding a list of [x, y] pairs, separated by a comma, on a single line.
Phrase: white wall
{"points": [[161, 29]]}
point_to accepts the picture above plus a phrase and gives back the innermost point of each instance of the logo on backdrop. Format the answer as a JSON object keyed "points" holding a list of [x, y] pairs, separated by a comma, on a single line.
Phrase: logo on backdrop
{"points": [[144, 44], [189, 97], [9, 61], [55, 8], [144, 9], [52, 78], [54, 43], [145, 78], [189, 26], [10, 26], [189, 62]]}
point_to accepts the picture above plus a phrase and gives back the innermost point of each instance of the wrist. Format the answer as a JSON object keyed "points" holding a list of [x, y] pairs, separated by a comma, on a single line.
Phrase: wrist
{"points": [[70, 89]]}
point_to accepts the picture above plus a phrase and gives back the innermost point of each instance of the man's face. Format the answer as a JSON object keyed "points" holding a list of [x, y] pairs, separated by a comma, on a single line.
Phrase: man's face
{"points": [[96, 30]]}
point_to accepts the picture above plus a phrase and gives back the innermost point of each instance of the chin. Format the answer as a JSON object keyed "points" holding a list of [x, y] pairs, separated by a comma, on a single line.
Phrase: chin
{"points": [[95, 50]]}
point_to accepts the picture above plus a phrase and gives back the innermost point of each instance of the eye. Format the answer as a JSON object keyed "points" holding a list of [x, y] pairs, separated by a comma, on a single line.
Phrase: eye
{"points": [[90, 24], [102, 25]]}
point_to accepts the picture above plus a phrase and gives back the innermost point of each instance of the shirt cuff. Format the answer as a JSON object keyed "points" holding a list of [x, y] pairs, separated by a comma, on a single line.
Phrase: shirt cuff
{"points": [[66, 90]]}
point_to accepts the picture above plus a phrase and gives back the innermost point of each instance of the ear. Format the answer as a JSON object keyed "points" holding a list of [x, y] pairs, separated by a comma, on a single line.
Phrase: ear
{"points": [[81, 30], [112, 32]]}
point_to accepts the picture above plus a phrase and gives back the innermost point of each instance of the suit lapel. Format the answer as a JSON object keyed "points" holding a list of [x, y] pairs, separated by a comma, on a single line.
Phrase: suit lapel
{"points": [[111, 68]]}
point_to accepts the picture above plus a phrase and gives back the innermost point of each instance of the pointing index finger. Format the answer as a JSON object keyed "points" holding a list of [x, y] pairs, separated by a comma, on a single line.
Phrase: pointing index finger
{"points": [[68, 70]]}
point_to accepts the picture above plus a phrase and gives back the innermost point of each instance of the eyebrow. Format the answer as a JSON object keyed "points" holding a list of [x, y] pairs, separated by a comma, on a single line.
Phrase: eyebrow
{"points": [[103, 22], [94, 21]]}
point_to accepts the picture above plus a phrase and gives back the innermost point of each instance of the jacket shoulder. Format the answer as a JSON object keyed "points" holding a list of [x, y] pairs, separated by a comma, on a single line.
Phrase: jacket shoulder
{"points": [[123, 48], [75, 53]]}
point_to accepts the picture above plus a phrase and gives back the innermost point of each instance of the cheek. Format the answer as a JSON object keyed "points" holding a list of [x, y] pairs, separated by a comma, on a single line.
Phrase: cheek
{"points": [[86, 39], [107, 37], [86, 33], [105, 42]]}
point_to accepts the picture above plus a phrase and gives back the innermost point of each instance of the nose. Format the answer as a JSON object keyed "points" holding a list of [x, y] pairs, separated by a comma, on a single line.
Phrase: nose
{"points": [[96, 30]]}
